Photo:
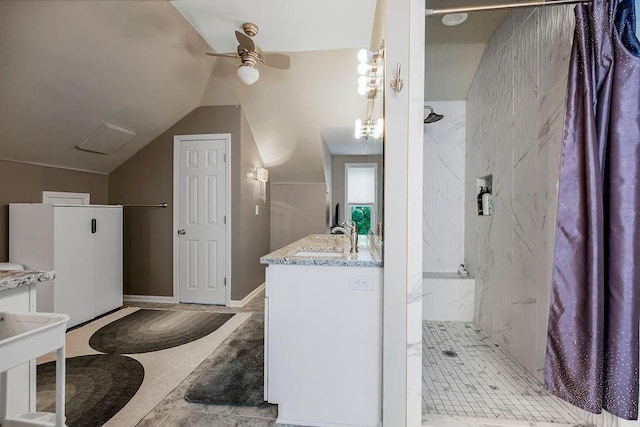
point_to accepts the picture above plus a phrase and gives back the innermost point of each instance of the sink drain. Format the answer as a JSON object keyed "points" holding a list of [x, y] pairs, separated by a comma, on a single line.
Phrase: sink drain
{"points": [[450, 353]]}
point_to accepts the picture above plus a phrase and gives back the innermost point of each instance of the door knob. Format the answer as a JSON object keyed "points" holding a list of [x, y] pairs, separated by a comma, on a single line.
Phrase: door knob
{"points": [[182, 231]]}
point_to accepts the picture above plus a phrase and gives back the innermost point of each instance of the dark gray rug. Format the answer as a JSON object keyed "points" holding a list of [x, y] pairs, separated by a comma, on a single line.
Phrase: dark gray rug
{"points": [[151, 330], [236, 376], [97, 387]]}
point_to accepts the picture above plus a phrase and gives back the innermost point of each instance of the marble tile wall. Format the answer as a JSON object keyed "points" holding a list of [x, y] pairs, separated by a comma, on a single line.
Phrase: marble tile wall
{"points": [[514, 117], [443, 192]]}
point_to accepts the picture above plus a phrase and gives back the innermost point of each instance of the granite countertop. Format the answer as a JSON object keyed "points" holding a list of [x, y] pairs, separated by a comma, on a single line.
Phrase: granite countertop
{"points": [[324, 249], [10, 279]]}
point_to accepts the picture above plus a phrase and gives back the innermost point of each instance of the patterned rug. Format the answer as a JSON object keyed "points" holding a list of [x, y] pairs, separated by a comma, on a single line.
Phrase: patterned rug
{"points": [[151, 330], [97, 387], [236, 376]]}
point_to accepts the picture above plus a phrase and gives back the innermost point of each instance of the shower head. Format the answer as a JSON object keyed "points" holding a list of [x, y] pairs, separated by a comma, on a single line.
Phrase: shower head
{"points": [[433, 116]]}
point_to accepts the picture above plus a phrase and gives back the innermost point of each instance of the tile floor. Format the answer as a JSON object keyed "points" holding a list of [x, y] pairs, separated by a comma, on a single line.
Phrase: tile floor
{"points": [[464, 374]]}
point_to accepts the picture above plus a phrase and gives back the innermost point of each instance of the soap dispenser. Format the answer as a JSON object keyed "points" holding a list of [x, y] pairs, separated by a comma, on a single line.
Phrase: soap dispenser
{"points": [[482, 190], [487, 202]]}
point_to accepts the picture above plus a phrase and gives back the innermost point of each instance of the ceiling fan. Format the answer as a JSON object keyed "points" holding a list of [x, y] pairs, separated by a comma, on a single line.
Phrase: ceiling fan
{"points": [[251, 55]]}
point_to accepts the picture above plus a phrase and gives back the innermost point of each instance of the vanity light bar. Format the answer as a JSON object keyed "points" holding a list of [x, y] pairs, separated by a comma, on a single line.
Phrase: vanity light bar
{"points": [[368, 129], [370, 70]]}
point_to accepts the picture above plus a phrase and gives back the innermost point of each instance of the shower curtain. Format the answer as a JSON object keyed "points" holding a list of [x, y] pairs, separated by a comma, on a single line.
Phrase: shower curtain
{"points": [[592, 343]]}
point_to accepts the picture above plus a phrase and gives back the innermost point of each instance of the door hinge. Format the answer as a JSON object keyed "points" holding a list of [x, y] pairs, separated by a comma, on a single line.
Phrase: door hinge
{"points": [[225, 219], [225, 281], [224, 157]]}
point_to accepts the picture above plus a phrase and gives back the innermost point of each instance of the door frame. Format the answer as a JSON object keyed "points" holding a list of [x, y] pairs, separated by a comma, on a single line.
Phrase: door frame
{"points": [[177, 139]]}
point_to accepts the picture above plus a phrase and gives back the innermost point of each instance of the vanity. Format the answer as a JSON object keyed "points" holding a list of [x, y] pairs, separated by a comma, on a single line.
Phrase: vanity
{"points": [[18, 294], [323, 332]]}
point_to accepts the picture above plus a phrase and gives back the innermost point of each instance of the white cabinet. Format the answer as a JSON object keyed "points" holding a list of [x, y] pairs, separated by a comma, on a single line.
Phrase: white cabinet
{"points": [[21, 379], [83, 244], [323, 344]]}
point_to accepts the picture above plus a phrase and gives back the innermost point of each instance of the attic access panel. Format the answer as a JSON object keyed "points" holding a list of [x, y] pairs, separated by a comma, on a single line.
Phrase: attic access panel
{"points": [[107, 139]]}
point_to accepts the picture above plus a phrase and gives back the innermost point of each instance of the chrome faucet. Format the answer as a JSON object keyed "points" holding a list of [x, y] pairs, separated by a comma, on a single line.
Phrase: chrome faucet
{"points": [[352, 232]]}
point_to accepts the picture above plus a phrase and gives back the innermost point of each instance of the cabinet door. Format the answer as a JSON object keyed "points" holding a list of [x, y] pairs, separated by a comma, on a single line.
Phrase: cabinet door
{"points": [[73, 263], [107, 274]]}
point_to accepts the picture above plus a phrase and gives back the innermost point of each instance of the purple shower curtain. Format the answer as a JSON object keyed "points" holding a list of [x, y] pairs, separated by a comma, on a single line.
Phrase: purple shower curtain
{"points": [[592, 344]]}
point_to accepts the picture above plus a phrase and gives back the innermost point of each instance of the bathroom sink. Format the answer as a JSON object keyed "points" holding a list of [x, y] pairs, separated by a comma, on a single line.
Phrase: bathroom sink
{"points": [[323, 252], [25, 336]]}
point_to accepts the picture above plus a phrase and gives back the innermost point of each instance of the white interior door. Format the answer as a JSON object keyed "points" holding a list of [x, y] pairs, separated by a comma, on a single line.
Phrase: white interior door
{"points": [[202, 241]]}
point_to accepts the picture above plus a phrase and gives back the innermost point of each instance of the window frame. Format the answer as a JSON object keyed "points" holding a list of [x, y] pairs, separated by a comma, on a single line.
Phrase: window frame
{"points": [[347, 205]]}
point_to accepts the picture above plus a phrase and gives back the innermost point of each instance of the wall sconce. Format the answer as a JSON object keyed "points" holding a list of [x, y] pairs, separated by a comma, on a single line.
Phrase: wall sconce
{"points": [[262, 176]]}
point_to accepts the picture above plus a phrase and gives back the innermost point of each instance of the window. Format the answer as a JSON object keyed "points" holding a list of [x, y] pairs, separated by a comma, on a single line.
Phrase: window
{"points": [[360, 195]]}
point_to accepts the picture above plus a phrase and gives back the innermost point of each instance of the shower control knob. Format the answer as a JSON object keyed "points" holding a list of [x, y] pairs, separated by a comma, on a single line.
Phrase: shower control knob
{"points": [[182, 231]]}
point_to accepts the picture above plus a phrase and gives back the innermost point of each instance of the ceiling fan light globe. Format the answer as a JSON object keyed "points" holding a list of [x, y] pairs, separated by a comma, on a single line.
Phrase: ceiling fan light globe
{"points": [[248, 74]]}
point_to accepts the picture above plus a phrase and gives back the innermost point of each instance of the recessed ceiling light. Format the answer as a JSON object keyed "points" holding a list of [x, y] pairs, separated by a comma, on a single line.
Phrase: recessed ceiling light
{"points": [[452, 19]]}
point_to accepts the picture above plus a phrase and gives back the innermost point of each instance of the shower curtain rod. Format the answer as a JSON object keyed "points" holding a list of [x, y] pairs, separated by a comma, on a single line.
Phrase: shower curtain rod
{"points": [[461, 9]]}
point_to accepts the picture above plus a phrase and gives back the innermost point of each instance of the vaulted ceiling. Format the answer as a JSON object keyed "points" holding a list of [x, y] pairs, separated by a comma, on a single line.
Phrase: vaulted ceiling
{"points": [[68, 67]]}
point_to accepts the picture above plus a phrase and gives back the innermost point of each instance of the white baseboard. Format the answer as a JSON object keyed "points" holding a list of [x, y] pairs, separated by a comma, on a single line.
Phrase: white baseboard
{"points": [[149, 298], [245, 300]]}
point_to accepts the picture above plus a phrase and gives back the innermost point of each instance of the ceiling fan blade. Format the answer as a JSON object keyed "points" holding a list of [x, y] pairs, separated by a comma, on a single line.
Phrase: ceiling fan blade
{"points": [[277, 60], [245, 42], [226, 55]]}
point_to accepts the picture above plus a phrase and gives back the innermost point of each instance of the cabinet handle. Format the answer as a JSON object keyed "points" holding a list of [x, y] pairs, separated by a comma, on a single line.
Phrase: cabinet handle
{"points": [[93, 226]]}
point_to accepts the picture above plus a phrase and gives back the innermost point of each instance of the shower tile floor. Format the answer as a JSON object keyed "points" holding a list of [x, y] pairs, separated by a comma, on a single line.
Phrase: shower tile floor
{"points": [[465, 375]]}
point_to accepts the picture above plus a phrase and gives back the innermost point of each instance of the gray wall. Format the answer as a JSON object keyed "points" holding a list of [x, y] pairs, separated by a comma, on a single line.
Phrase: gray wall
{"points": [[147, 178], [24, 183], [338, 182], [251, 238], [297, 210], [514, 123]]}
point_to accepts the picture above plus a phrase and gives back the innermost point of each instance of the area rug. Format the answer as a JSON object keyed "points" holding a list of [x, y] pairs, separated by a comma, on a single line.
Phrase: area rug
{"points": [[97, 387], [151, 330], [164, 369], [237, 376]]}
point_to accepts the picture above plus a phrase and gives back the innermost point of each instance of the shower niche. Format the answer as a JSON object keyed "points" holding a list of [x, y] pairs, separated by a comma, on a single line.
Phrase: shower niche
{"points": [[484, 195]]}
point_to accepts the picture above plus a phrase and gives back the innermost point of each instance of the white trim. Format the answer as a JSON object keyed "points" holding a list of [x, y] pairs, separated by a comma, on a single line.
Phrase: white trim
{"points": [[249, 297], [297, 183], [149, 298], [49, 197], [290, 421], [49, 165], [210, 136]]}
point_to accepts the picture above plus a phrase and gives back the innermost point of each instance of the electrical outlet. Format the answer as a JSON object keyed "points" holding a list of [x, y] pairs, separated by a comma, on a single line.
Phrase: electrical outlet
{"points": [[361, 282]]}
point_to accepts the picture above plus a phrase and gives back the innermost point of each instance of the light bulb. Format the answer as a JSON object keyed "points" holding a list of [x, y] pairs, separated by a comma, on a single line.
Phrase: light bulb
{"points": [[363, 68], [362, 90], [358, 133], [377, 132], [363, 55], [248, 74], [363, 80]]}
